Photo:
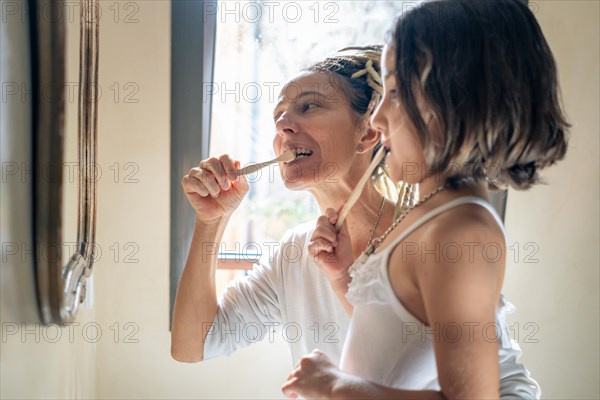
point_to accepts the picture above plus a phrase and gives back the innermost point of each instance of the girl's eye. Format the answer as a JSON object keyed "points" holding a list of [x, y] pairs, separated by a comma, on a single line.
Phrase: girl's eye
{"points": [[276, 116], [394, 96]]}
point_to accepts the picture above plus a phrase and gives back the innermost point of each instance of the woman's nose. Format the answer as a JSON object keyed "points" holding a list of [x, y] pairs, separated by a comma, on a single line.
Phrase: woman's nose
{"points": [[286, 124]]}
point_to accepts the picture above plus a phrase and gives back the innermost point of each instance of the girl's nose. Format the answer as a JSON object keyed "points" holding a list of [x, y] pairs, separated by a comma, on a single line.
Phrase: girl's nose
{"points": [[377, 120]]}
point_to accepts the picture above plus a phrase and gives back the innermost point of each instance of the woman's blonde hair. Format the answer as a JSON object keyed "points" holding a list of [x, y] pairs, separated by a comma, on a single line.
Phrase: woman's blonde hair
{"points": [[356, 70]]}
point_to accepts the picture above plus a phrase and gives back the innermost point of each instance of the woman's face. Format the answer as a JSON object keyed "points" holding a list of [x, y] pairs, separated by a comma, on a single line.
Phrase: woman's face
{"points": [[405, 161], [314, 118]]}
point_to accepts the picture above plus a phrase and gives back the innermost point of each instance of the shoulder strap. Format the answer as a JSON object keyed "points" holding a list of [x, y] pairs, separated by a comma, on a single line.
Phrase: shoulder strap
{"points": [[443, 208]]}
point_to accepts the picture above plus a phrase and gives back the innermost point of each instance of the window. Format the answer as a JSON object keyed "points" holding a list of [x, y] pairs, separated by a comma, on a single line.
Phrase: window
{"points": [[259, 47]]}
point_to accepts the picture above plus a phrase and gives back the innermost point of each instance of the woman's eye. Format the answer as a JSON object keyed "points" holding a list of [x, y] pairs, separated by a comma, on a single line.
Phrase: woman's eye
{"points": [[308, 106], [277, 116]]}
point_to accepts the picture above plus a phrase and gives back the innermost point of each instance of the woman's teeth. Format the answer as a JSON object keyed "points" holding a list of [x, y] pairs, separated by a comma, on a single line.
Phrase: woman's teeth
{"points": [[302, 152]]}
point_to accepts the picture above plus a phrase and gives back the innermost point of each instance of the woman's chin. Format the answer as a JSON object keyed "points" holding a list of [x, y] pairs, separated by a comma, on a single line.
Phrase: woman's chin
{"points": [[294, 184], [297, 177], [296, 181]]}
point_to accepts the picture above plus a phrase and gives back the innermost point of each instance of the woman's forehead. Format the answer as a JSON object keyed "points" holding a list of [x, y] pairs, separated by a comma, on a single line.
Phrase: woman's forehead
{"points": [[309, 82], [306, 80]]}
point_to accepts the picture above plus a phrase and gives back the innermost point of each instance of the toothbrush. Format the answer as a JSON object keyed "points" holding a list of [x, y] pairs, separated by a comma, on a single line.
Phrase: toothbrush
{"points": [[285, 157], [359, 188]]}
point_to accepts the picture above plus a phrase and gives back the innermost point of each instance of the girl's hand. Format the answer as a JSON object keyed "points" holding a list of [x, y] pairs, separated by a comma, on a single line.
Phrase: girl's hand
{"points": [[331, 250], [214, 189], [314, 378]]}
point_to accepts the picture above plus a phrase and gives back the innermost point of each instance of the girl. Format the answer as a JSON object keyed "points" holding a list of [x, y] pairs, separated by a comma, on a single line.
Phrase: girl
{"points": [[470, 103]]}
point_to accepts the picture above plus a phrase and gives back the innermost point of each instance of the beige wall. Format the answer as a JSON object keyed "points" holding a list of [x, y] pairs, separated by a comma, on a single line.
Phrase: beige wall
{"points": [[558, 295], [138, 292], [36, 362]]}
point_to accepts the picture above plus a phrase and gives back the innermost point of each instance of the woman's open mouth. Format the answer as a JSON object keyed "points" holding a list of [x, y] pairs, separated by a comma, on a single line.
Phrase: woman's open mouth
{"points": [[300, 152]]}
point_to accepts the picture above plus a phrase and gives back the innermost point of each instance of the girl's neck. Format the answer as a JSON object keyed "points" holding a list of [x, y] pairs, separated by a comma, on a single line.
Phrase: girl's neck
{"points": [[432, 183]]}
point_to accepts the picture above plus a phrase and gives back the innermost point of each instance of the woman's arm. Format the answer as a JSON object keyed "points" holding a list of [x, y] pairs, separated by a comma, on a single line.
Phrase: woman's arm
{"points": [[214, 191], [196, 298]]}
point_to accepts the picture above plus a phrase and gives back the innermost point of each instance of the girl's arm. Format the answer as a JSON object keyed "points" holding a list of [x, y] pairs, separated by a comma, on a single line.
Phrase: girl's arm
{"points": [[461, 296], [317, 377]]}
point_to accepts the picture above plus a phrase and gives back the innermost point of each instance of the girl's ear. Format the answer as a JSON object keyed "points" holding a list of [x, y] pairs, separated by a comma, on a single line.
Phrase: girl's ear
{"points": [[369, 139]]}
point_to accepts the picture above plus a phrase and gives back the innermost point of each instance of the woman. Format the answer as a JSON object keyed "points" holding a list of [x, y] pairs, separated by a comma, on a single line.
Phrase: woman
{"points": [[323, 115], [464, 120]]}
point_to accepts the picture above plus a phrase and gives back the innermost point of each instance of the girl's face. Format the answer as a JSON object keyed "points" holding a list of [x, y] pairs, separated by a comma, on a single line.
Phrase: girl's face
{"points": [[406, 161], [314, 118]]}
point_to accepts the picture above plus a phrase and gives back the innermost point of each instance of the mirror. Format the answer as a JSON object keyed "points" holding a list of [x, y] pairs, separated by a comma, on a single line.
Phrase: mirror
{"points": [[62, 266]]}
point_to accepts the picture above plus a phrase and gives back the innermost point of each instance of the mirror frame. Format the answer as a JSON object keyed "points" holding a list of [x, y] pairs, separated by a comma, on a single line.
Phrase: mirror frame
{"points": [[61, 288]]}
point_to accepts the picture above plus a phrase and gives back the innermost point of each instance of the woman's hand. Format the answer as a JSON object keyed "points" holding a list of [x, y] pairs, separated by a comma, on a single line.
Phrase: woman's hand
{"points": [[315, 377], [331, 250], [214, 189]]}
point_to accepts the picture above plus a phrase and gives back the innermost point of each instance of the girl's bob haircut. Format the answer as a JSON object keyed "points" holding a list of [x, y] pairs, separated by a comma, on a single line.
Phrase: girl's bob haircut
{"points": [[485, 72]]}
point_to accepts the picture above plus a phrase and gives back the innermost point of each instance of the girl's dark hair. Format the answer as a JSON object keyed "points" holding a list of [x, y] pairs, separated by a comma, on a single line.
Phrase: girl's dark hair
{"points": [[486, 73]]}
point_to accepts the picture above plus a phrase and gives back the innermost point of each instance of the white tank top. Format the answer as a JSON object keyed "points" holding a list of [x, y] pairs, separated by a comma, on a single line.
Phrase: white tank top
{"points": [[388, 345]]}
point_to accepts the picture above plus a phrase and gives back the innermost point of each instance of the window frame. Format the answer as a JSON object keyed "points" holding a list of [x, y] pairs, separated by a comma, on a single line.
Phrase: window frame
{"points": [[193, 34]]}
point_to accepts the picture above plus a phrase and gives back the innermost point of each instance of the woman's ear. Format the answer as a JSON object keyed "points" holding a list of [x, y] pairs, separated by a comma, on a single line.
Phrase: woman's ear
{"points": [[368, 140]]}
